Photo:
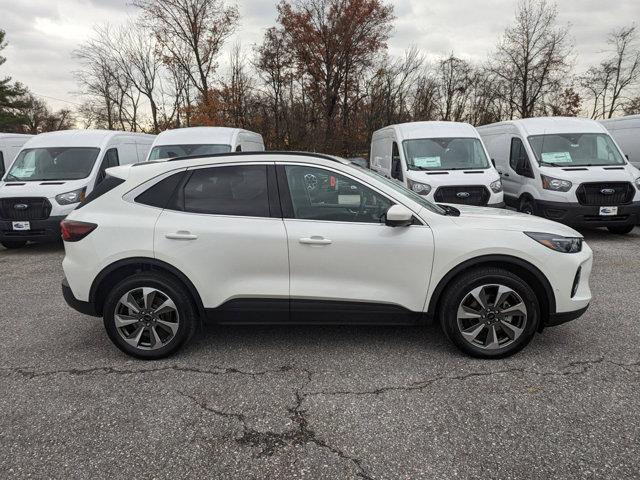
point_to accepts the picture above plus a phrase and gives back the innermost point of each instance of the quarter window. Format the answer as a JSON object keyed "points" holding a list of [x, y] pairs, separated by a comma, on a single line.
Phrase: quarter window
{"points": [[318, 194], [235, 190]]}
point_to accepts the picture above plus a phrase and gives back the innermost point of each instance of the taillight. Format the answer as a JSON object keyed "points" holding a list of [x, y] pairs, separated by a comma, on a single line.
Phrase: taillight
{"points": [[72, 231]]}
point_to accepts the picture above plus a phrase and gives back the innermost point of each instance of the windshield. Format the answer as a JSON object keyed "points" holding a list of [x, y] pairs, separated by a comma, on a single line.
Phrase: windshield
{"points": [[55, 163], [575, 149], [171, 151], [444, 154], [400, 188]]}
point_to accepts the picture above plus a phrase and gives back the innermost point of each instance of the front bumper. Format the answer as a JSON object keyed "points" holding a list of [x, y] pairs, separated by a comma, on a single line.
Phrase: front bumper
{"points": [[87, 308], [41, 230], [575, 214], [564, 317]]}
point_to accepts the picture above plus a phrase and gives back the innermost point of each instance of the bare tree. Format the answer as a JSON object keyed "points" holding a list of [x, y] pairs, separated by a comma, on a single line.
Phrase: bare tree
{"points": [[608, 84], [532, 59], [454, 79], [192, 33]]}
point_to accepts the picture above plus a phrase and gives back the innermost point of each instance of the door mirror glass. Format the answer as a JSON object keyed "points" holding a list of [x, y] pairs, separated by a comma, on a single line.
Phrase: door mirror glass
{"points": [[398, 216]]}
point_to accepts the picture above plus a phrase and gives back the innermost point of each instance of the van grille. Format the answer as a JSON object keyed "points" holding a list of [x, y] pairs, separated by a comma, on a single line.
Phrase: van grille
{"points": [[16, 208], [615, 193], [465, 195]]}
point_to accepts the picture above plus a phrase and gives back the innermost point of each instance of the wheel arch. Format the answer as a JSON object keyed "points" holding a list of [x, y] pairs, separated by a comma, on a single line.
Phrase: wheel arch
{"points": [[113, 273], [527, 271]]}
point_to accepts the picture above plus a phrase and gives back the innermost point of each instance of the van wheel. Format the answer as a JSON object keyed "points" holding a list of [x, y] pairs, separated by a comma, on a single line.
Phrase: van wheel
{"points": [[526, 206], [621, 230], [13, 243], [149, 315], [489, 313]]}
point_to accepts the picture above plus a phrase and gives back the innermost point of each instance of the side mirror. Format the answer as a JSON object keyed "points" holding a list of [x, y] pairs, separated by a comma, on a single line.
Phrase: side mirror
{"points": [[398, 216]]}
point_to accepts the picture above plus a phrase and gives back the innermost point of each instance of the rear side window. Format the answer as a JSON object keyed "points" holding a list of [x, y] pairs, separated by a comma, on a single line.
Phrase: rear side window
{"points": [[162, 192], [109, 183], [235, 190]]}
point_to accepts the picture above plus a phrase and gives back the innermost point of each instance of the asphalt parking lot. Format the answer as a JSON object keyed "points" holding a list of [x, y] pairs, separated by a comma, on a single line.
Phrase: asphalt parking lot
{"points": [[318, 402]]}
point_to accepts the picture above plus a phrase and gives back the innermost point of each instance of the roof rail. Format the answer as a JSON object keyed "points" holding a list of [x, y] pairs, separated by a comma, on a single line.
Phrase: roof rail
{"points": [[241, 154]]}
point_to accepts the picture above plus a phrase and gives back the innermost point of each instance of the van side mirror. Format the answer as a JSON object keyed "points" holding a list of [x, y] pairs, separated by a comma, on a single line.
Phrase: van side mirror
{"points": [[398, 216], [396, 168]]}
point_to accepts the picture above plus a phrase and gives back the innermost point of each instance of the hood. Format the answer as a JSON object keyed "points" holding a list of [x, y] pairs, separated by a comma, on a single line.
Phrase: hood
{"points": [[47, 189], [578, 175], [500, 219], [437, 178]]}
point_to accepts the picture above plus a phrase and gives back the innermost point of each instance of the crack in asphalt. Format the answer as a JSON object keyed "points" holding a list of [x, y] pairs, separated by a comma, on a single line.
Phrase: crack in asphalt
{"points": [[270, 442]]}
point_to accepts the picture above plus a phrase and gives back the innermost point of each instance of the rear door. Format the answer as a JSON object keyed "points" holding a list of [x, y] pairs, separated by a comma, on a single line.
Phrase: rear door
{"points": [[223, 229], [343, 257]]}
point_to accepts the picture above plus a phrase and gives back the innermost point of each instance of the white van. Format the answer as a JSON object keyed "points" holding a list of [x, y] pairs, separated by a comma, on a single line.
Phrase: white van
{"points": [[183, 142], [53, 173], [565, 169], [444, 161], [626, 132], [10, 144]]}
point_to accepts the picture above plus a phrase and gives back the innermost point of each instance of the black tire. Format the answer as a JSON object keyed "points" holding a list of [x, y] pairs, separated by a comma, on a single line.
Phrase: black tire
{"points": [[622, 229], [12, 244], [527, 206], [174, 290], [461, 286]]}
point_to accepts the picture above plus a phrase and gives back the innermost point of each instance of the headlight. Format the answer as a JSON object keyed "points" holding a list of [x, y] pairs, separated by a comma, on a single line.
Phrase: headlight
{"points": [[557, 242], [496, 186], [421, 188], [68, 198], [550, 183]]}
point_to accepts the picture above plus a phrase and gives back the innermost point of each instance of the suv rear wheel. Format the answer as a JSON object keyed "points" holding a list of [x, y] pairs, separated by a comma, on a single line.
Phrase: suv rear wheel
{"points": [[489, 313], [149, 315]]}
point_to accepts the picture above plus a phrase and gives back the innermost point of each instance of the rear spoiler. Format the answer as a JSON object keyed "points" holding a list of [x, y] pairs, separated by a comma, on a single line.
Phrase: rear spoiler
{"points": [[119, 172]]}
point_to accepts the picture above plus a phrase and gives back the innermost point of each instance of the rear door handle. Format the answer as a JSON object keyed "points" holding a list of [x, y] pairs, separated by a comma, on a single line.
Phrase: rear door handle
{"points": [[315, 240], [181, 235]]}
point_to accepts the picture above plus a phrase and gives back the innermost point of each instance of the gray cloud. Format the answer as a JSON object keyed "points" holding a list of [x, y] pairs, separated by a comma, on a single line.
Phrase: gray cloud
{"points": [[43, 33]]}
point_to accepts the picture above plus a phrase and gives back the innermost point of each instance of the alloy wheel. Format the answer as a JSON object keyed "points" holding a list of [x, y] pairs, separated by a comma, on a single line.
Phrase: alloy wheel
{"points": [[146, 318], [492, 316]]}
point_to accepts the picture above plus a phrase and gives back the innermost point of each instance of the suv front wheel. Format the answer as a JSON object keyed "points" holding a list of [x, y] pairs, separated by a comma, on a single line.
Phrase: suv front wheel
{"points": [[489, 313], [149, 315]]}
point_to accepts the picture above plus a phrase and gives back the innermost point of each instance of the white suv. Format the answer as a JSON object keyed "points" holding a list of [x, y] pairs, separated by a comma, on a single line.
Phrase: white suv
{"points": [[305, 238]]}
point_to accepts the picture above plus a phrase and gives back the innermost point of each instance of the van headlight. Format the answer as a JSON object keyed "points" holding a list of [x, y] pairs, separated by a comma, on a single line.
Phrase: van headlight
{"points": [[420, 188], [496, 186], [69, 198], [555, 184], [558, 243]]}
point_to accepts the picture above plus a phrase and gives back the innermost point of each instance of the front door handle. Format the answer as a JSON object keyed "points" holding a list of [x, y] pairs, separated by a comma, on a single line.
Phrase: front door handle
{"points": [[181, 235], [315, 240]]}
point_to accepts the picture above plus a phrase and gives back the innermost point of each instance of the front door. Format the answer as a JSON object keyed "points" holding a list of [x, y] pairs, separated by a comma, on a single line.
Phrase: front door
{"points": [[341, 254]]}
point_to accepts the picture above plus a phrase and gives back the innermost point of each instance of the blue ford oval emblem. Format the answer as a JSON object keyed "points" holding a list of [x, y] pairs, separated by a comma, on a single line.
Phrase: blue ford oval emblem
{"points": [[608, 191], [462, 194], [21, 206]]}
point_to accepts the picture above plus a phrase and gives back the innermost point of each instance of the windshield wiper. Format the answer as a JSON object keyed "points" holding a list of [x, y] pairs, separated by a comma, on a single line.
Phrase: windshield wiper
{"points": [[12, 176], [551, 164], [449, 210]]}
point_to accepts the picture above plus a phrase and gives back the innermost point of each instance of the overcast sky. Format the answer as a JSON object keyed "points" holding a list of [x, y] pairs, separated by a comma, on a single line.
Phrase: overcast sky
{"points": [[43, 33]]}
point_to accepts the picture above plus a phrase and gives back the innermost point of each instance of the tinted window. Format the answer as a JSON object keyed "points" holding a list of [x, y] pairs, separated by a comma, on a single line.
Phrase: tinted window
{"points": [[517, 152], [1, 164], [109, 183], [237, 190], [110, 160], [162, 192], [318, 194]]}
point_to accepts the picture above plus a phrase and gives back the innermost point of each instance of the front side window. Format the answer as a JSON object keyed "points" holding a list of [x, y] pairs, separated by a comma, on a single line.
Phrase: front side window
{"points": [[318, 194], [444, 154], [1, 164], [235, 190], [575, 149], [54, 163], [162, 152], [110, 160], [518, 155]]}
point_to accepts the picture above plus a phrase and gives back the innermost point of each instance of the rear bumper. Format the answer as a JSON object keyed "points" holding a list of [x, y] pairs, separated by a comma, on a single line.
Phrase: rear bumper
{"points": [[87, 308], [587, 216], [564, 317], [41, 230]]}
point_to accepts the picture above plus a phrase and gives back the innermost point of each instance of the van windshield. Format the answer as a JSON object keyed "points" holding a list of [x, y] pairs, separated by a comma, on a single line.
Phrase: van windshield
{"points": [[575, 149], [161, 152], [445, 154], [54, 163]]}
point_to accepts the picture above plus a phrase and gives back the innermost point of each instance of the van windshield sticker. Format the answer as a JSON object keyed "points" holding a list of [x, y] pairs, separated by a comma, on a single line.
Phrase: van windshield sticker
{"points": [[557, 157], [427, 162]]}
